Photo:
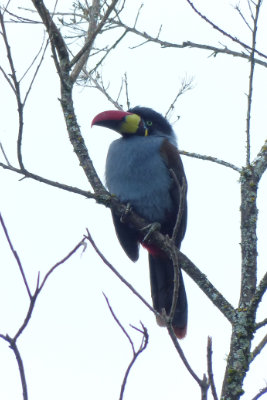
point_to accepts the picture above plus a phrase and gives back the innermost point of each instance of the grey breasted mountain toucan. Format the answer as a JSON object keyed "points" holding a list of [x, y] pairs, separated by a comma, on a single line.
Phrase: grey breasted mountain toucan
{"points": [[139, 170]]}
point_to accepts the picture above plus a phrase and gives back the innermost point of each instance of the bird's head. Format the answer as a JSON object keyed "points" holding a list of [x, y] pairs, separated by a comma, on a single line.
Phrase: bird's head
{"points": [[140, 121]]}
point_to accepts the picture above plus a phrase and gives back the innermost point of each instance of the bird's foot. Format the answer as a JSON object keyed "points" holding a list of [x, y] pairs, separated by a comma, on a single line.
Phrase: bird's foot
{"points": [[126, 212], [150, 228]]}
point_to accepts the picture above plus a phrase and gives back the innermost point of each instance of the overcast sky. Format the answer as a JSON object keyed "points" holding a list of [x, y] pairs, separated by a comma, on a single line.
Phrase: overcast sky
{"points": [[72, 347]]}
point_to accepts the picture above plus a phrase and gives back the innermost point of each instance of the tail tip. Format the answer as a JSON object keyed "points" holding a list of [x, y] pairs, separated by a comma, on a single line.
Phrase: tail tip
{"points": [[180, 333]]}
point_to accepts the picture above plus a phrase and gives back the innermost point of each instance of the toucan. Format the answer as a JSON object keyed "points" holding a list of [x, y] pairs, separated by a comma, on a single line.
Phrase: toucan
{"points": [[144, 170]]}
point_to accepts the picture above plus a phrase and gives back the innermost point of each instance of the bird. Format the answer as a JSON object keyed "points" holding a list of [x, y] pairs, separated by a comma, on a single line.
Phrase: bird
{"points": [[144, 170]]}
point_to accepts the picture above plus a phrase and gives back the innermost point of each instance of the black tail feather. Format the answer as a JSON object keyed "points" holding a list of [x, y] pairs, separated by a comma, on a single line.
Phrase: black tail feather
{"points": [[161, 279]]}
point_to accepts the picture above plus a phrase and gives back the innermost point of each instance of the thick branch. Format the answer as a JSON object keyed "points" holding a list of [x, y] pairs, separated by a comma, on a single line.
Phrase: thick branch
{"points": [[249, 215], [210, 158], [206, 286]]}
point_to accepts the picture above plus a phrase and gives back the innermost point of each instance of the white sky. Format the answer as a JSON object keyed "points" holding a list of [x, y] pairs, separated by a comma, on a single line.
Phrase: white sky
{"points": [[72, 347]]}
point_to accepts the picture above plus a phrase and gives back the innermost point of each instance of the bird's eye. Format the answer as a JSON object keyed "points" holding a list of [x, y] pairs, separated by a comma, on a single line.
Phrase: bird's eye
{"points": [[149, 123]]}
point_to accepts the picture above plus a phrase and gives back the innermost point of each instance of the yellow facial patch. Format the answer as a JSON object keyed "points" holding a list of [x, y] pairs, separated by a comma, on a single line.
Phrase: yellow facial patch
{"points": [[131, 124]]}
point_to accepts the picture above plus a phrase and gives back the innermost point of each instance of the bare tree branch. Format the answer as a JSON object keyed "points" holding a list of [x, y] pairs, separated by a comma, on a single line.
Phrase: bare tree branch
{"points": [[260, 163], [52, 269], [142, 346], [110, 266], [58, 185], [261, 392], [251, 78], [12, 340], [210, 158], [102, 89], [165, 44], [224, 33], [259, 348], [261, 324], [210, 371], [94, 11], [16, 256], [201, 382], [4, 154], [35, 72], [243, 17], [185, 86], [93, 35], [16, 86], [14, 348], [259, 292]]}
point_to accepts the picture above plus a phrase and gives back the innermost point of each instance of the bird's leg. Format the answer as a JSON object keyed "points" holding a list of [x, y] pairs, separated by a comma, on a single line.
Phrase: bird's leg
{"points": [[126, 212], [150, 228]]}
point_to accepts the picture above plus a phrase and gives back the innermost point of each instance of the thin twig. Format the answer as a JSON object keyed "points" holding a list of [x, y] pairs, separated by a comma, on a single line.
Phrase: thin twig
{"points": [[142, 347], [176, 284], [185, 86], [175, 262], [251, 78], [182, 189], [110, 266], [261, 324], [90, 41], [259, 348], [119, 323], [40, 287], [16, 89], [261, 392], [216, 27], [165, 44], [201, 382], [80, 244], [138, 14], [15, 254], [127, 91], [103, 90], [46, 181], [259, 292], [210, 371], [243, 17], [4, 154], [260, 162], [7, 79], [36, 71], [93, 12]]}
